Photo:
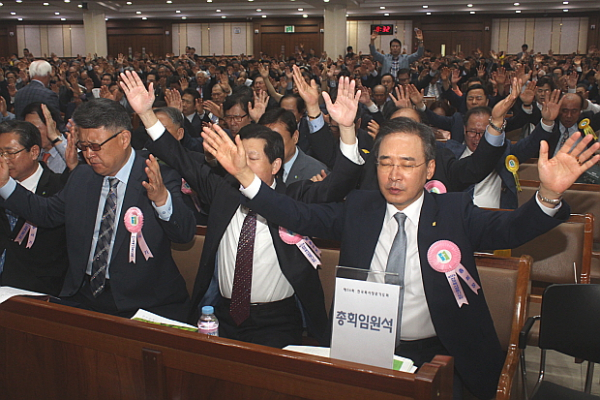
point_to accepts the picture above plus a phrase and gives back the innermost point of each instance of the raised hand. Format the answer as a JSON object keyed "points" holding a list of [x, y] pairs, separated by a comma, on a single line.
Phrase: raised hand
{"points": [[264, 71], [319, 177], [173, 99], [551, 107], [231, 156], [183, 82], [71, 152], [214, 108], [419, 34], [52, 132], [374, 35], [257, 110], [499, 111], [105, 93], [416, 96], [373, 128], [155, 188], [199, 106], [481, 71], [140, 99], [560, 172], [527, 96], [309, 93], [3, 107], [401, 100], [344, 109], [455, 78], [572, 80]]}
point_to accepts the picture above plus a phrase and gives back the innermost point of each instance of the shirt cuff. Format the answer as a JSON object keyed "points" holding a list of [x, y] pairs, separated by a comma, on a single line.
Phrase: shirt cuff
{"points": [[350, 151], [8, 189], [551, 212], [252, 190], [571, 90], [315, 124], [373, 108], [547, 128], [156, 130], [422, 107], [494, 140], [165, 211]]}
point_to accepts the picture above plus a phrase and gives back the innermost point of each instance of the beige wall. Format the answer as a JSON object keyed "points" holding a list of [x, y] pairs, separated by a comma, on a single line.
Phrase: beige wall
{"points": [[218, 38], [561, 35], [63, 40]]}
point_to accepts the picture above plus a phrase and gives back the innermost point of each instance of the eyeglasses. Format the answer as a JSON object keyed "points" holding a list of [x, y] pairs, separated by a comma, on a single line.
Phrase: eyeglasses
{"points": [[83, 146], [406, 167], [235, 118], [11, 155], [473, 134]]}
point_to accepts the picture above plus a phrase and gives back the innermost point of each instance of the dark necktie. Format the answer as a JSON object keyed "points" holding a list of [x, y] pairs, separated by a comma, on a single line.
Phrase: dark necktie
{"points": [[107, 227], [242, 278], [396, 264], [563, 138]]}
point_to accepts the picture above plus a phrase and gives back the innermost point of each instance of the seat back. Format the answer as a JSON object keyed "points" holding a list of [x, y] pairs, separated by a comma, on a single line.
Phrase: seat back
{"points": [[187, 259], [329, 261], [570, 320], [505, 282], [563, 254]]}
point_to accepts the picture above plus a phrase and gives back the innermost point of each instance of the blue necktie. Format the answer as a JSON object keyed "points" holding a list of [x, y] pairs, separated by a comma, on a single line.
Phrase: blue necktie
{"points": [[396, 264], [107, 227]]}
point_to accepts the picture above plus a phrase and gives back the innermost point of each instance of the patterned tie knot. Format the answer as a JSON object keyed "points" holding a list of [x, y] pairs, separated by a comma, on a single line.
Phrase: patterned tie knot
{"points": [[112, 183]]}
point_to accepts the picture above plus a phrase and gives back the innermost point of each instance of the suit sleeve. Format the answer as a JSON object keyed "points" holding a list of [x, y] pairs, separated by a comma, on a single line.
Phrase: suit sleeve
{"points": [[529, 146], [181, 227], [471, 169], [190, 164], [323, 146], [377, 56], [315, 220]]}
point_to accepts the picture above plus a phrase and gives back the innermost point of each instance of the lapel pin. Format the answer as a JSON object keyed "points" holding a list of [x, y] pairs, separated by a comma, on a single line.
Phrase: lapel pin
{"points": [[434, 223]]}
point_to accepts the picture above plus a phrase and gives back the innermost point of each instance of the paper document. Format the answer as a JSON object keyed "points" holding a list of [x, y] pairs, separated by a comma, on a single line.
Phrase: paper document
{"points": [[147, 316], [6, 292]]}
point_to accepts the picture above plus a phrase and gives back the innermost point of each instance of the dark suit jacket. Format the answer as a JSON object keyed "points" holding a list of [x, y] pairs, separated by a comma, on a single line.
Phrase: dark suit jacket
{"points": [[33, 92], [556, 134], [195, 127], [42, 267], [222, 198], [304, 167], [467, 333], [155, 285], [524, 149]]}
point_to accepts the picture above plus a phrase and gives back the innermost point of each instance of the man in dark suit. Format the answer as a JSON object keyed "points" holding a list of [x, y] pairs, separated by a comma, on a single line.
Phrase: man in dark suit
{"points": [[297, 165], [37, 90], [40, 266], [116, 183], [569, 116], [369, 224], [283, 282]]}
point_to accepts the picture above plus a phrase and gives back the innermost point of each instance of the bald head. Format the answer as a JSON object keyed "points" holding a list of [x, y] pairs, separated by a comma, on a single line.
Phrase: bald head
{"points": [[379, 94], [570, 109]]}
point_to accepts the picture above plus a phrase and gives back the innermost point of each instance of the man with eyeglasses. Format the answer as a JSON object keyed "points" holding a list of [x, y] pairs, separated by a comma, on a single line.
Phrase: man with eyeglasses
{"points": [[41, 265], [394, 228], [236, 112], [119, 192]]}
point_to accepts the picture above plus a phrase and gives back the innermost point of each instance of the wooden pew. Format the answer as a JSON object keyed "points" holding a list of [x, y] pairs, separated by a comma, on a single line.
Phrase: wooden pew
{"points": [[50, 351], [583, 199]]}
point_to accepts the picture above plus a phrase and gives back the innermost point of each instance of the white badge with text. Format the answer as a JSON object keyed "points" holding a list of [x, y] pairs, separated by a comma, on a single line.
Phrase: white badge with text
{"points": [[364, 322]]}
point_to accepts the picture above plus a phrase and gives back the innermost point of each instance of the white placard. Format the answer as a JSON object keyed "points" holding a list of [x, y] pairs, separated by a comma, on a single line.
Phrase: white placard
{"points": [[364, 322]]}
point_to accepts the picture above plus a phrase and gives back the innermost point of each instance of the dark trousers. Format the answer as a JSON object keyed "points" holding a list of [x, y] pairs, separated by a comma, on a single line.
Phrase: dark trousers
{"points": [[104, 303], [275, 324], [422, 351]]}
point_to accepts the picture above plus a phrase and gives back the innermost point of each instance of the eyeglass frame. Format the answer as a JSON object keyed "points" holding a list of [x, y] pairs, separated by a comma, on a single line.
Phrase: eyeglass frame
{"points": [[236, 118], [80, 144], [405, 168], [473, 134], [12, 154]]}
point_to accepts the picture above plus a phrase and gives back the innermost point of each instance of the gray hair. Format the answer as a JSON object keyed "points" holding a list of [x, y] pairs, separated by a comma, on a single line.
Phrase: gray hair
{"points": [[40, 68], [174, 115]]}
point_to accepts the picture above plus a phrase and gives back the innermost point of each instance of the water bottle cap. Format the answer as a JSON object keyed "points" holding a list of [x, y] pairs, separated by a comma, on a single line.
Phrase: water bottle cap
{"points": [[208, 310]]}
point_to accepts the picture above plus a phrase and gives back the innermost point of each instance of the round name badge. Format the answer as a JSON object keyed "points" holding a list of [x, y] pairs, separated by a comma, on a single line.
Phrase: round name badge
{"points": [[134, 220], [512, 163], [444, 256], [288, 236], [436, 187]]}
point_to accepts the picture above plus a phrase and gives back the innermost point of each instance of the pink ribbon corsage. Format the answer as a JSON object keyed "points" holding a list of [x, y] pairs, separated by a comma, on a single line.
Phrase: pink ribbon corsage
{"points": [[436, 187], [444, 256], [134, 221], [306, 246]]}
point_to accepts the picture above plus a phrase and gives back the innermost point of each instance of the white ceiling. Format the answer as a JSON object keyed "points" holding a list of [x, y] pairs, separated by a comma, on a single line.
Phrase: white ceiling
{"points": [[247, 9]]}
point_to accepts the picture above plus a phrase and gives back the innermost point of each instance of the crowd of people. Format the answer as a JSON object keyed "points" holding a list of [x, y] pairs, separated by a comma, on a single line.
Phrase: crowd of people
{"points": [[105, 161]]}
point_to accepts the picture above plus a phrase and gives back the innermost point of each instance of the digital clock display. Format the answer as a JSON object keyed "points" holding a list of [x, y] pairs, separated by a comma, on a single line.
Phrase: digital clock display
{"points": [[383, 29]]}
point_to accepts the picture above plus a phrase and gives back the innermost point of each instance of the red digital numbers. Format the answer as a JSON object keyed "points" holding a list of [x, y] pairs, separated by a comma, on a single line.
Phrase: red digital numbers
{"points": [[383, 29]]}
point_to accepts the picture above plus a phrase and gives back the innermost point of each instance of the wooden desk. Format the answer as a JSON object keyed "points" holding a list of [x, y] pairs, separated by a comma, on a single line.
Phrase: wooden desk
{"points": [[50, 351]]}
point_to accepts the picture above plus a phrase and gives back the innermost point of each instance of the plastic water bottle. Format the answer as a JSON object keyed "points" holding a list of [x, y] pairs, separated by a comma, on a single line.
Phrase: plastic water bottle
{"points": [[208, 323]]}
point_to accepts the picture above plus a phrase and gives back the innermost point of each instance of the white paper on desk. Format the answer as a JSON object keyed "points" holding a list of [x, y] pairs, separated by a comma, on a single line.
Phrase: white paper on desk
{"points": [[6, 292], [157, 319], [364, 341], [406, 364]]}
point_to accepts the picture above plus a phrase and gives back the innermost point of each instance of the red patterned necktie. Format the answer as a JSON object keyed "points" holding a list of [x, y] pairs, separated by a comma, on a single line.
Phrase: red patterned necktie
{"points": [[242, 278]]}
